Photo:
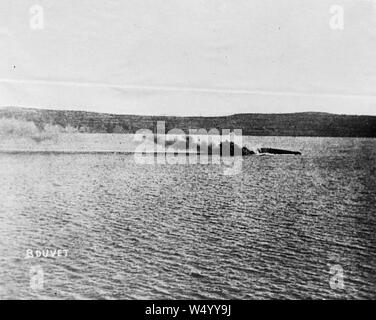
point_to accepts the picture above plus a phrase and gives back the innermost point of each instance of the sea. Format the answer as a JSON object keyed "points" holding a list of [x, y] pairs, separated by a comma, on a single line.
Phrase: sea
{"points": [[104, 226]]}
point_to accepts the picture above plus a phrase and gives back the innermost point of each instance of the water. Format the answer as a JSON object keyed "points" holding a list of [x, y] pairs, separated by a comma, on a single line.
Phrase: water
{"points": [[187, 231]]}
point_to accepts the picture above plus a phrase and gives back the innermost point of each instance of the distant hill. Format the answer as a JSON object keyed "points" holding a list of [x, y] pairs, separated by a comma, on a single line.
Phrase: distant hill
{"points": [[290, 124]]}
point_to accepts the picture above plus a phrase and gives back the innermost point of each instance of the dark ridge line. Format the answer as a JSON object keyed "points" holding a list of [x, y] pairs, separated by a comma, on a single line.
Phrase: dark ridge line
{"points": [[299, 124]]}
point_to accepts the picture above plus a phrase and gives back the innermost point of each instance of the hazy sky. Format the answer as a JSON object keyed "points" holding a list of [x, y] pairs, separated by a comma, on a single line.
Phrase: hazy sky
{"points": [[188, 57]]}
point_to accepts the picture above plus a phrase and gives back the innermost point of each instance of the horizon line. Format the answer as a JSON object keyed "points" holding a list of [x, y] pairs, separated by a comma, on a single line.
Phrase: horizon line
{"points": [[185, 116]]}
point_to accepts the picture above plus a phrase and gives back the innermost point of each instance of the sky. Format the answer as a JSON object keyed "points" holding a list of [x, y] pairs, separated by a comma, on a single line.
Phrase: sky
{"points": [[189, 57]]}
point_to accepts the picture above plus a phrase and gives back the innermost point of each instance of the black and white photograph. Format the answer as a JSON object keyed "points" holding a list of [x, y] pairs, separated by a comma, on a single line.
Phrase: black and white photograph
{"points": [[187, 150]]}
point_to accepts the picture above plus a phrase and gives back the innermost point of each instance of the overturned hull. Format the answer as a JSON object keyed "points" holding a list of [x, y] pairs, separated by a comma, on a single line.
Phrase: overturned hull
{"points": [[266, 151], [278, 151], [231, 149]]}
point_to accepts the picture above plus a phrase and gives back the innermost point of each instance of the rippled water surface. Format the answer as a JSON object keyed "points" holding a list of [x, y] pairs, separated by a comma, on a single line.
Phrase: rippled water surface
{"points": [[188, 231]]}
